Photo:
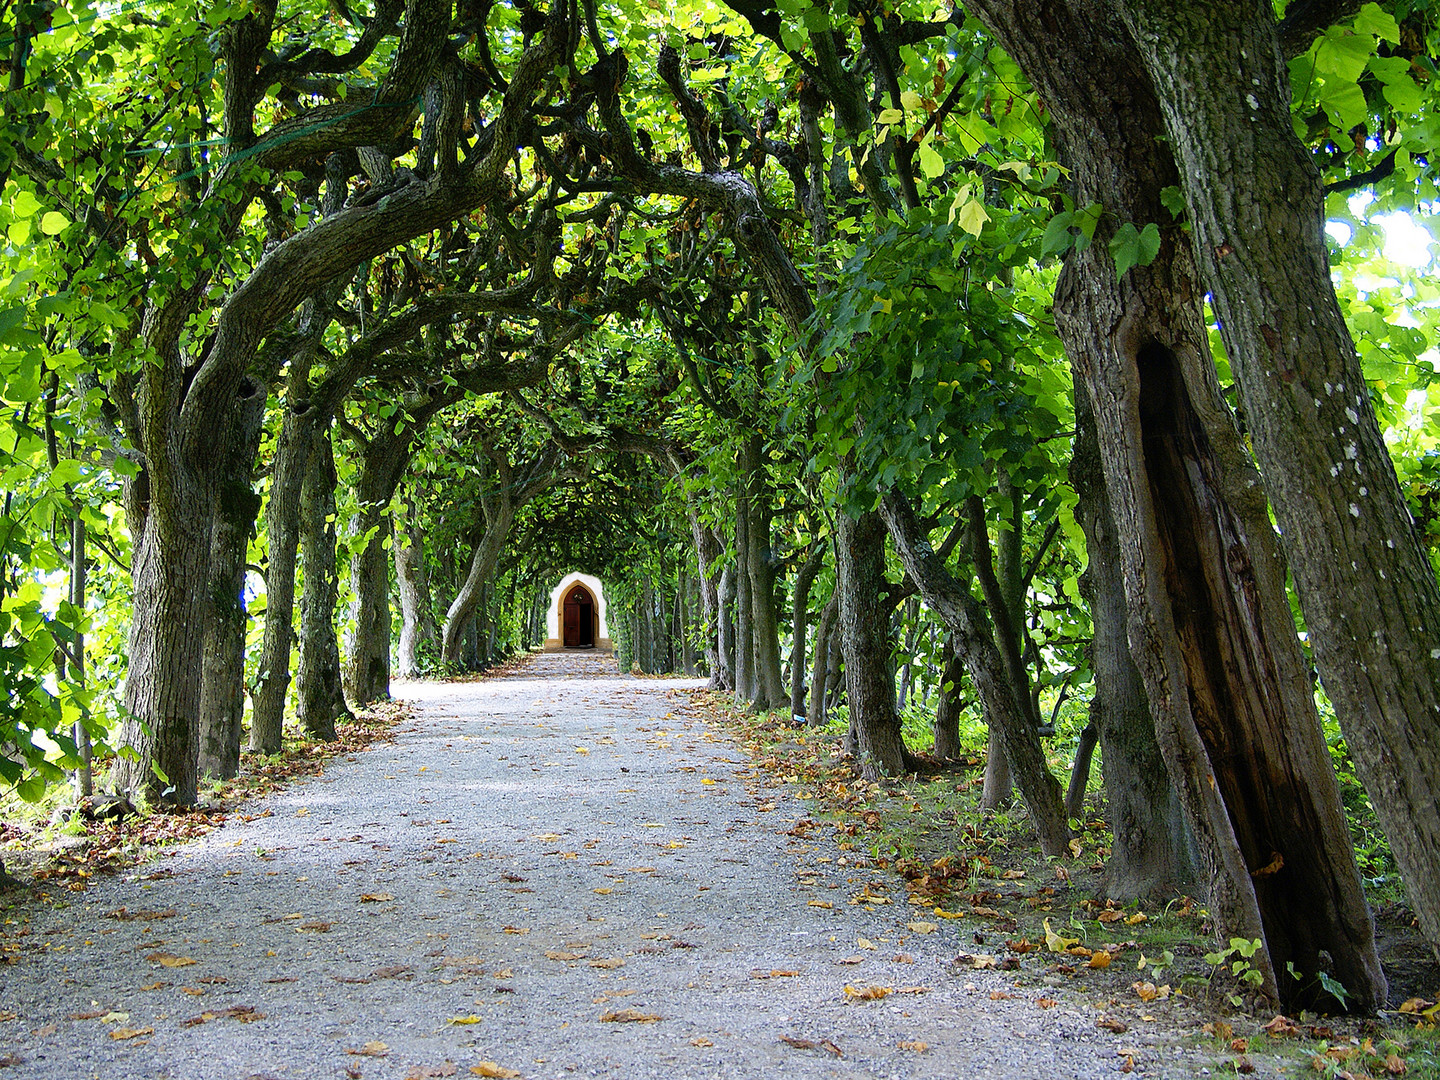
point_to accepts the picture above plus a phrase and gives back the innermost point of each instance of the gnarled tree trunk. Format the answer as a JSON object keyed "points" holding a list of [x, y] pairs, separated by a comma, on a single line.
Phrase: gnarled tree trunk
{"points": [[318, 686]]}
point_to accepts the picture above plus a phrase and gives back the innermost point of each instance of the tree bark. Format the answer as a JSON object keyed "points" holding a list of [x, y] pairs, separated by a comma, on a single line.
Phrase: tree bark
{"points": [[319, 685], [222, 676], [820, 670], [759, 562], [727, 600], [745, 680], [366, 670], [1366, 584], [412, 581], [799, 626], [1209, 622], [864, 620], [950, 708]]}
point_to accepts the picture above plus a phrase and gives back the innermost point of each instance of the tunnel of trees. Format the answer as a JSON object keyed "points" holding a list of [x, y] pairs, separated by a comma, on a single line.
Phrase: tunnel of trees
{"points": [[1047, 364]]}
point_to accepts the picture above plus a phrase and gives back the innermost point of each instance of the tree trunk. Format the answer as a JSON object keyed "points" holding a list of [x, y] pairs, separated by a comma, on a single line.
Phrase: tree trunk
{"points": [[907, 672], [974, 643], [799, 625], [727, 600], [222, 678], [865, 641], [1366, 584], [366, 671], [282, 537], [1152, 853], [1209, 621], [1080, 769], [745, 681], [483, 561], [950, 707], [412, 581], [759, 560], [319, 686], [820, 670], [999, 782], [683, 604]]}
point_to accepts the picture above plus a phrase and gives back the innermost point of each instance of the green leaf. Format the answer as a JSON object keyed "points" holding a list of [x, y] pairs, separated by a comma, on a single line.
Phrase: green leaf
{"points": [[54, 222], [1345, 104], [931, 163], [1134, 247], [1173, 199], [1373, 19], [25, 204], [972, 217], [31, 789], [1057, 238]]}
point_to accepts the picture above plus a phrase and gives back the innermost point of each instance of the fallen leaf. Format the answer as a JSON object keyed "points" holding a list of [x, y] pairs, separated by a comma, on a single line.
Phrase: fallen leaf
{"points": [[821, 904], [1013, 875], [922, 927], [373, 1048], [489, 1068], [131, 1033], [628, 1016], [45, 1031], [914, 1045], [559, 954], [701, 1040], [1046, 1002], [193, 991], [471, 1019], [1282, 1027], [851, 960], [169, 960], [114, 1017], [1244, 1065], [1023, 946], [1099, 960], [375, 898], [866, 993], [1219, 1029], [1136, 919], [94, 1014], [1395, 1065], [864, 943], [1110, 916], [1114, 1026], [942, 913], [773, 973], [1057, 942], [517, 929], [608, 962], [605, 891], [1000, 995], [1415, 1005], [157, 985], [811, 1044]]}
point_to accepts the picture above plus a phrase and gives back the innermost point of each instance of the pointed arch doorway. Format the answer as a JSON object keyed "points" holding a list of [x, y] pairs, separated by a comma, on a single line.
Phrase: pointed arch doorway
{"points": [[576, 619], [579, 618]]}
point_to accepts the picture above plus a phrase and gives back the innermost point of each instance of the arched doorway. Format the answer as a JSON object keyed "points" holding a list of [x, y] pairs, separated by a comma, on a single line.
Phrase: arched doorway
{"points": [[579, 618]]}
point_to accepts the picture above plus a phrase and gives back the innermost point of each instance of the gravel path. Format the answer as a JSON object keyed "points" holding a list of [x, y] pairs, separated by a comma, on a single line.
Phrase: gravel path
{"points": [[533, 854]]}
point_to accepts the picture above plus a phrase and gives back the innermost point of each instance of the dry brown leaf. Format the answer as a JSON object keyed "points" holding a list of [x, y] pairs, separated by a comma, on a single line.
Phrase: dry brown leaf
{"points": [[131, 1033], [701, 1040], [922, 927], [608, 962], [45, 1031], [489, 1068], [375, 898], [851, 960], [826, 904], [1023, 946], [1219, 1029], [1114, 1026], [1046, 1002], [517, 929], [1145, 991], [1395, 1065], [1110, 916], [193, 991], [1282, 1027], [914, 1045], [628, 1016], [1244, 1065], [169, 960], [1099, 960], [1000, 995], [1239, 1046], [811, 1044], [314, 928], [157, 985], [1415, 1005], [560, 954], [93, 1014], [606, 891], [373, 1048]]}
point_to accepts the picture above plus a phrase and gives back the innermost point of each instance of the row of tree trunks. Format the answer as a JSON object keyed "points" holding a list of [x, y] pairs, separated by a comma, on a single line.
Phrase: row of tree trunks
{"points": [[412, 583], [758, 557], [820, 671], [319, 684], [1209, 622]]}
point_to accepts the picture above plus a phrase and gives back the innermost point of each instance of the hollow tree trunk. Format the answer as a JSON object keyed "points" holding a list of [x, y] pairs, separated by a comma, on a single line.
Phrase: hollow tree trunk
{"points": [[864, 621], [319, 685], [1152, 853], [222, 677], [1366, 584]]}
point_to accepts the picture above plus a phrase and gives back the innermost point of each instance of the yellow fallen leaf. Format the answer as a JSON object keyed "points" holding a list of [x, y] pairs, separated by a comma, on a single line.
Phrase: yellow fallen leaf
{"points": [[471, 1019], [193, 991], [1138, 917], [559, 954], [604, 891], [914, 1045], [628, 1016], [548, 836], [942, 913], [111, 1017], [131, 1033], [1099, 960], [1013, 875], [922, 927], [701, 1040], [864, 943], [517, 929], [582, 749], [489, 1068], [1057, 942], [376, 898], [826, 904], [707, 781], [373, 1048]]}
